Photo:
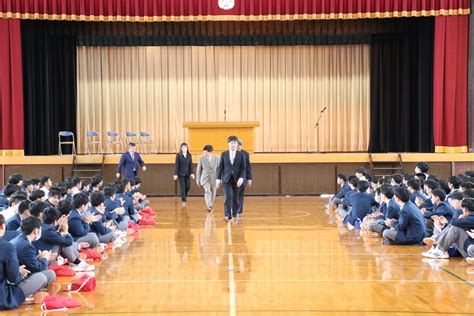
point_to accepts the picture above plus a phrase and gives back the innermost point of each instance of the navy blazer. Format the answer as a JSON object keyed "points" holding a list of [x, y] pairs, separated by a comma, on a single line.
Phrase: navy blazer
{"points": [[99, 227], [183, 167], [410, 226], [416, 194], [11, 295], [226, 169], [50, 237], [362, 204], [442, 209], [248, 174], [77, 227], [14, 222], [130, 165], [342, 191], [392, 210], [346, 202], [11, 234], [3, 202], [111, 205], [28, 255], [126, 202]]}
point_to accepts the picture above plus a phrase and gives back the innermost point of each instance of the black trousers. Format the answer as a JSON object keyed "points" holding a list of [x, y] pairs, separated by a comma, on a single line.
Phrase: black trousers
{"points": [[231, 194], [241, 193], [184, 186]]}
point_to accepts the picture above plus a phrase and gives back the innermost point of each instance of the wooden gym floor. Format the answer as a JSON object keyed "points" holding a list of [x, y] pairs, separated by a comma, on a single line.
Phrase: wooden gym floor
{"points": [[285, 257]]}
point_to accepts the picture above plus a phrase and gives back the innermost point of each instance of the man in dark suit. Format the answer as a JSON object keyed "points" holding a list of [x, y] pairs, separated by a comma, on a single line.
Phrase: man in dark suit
{"points": [[248, 178], [231, 172], [130, 162]]}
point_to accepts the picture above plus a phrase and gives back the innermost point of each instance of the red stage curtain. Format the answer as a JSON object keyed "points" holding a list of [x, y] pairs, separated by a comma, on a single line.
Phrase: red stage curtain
{"points": [[11, 89], [450, 83], [243, 10]]}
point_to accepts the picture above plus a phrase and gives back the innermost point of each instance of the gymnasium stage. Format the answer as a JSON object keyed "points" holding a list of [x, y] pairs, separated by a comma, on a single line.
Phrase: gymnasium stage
{"points": [[274, 174]]}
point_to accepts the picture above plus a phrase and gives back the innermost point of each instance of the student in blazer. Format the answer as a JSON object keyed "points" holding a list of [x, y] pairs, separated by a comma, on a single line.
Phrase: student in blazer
{"points": [[130, 161], [183, 171]]}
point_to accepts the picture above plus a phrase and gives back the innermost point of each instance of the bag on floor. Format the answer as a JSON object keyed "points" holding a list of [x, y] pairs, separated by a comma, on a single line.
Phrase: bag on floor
{"points": [[61, 270], [86, 283], [55, 303]]}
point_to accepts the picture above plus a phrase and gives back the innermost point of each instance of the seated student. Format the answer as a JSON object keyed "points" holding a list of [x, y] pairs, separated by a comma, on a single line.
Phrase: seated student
{"points": [[97, 183], [455, 200], [441, 208], [361, 173], [23, 212], [37, 195], [75, 184], [455, 234], [104, 233], [344, 188], [27, 253], [429, 186], [45, 184], [8, 191], [466, 186], [113, 210], [37, 208], [397, 180], [27, 187], [16, 282], [16, 179], [344, 206], [79, 225], [125, 201], [54, 196], [59, 241], [85, 186], [410, 228], [361, 203], [422, 167], [12, 211], [389, 208], [453, 184], [142, 201], [414, 187]]}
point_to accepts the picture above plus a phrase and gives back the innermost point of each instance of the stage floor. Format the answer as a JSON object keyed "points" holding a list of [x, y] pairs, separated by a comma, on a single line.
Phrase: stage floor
{"points": [[285, 256]]}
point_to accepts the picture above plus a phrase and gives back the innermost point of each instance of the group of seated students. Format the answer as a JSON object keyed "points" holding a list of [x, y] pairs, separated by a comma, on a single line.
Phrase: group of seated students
{"points": [[410, 210], [42, 224]]}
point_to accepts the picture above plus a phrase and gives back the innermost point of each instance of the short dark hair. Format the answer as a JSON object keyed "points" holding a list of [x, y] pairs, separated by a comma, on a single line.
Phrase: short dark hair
{"points": [[79, 200], [44, 180], [468, 204], [362, 186], [74, 182], [97, 198], [432, 184], [96, 180], [2, 219], [414, 184], [353, 181], [467, 185], [24, 206], [208, 148], [439, 193], [403, 194], [15, 178], [35, 181], [126, 181], [64, 207], [468, 194], [387, 190], [50, 215], [29, 224], [38, 194], [137, 180], [55, 191], [455, 181], [421, 176], [9, 189], [456, 196], [423, 166], [26, 183], [131, 144], [232, 138], [17, 198], [38, 207], [398, 178], [119, 187], [109, 191], [361, 170], [342, 177]]}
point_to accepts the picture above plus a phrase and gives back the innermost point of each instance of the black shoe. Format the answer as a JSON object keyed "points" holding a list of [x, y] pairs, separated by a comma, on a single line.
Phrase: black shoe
{"points": [[226, 219]]}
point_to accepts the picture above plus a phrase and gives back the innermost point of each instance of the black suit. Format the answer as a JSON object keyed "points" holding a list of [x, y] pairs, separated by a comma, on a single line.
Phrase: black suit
{"points": [[248, 176], [229, 174], [183, 168]]}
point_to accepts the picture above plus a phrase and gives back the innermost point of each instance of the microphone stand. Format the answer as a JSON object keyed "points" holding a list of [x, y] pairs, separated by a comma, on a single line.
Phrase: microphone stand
{"points": [[317, 129]]}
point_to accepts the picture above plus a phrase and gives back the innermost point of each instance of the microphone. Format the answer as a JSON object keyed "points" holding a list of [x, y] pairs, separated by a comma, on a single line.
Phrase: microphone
{"points": [[323, 109], [225, 116]]}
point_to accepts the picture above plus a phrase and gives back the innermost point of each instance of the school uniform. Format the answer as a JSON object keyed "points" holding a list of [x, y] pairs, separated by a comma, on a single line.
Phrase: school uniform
{"points": [[51, 237], [80, 230], [442, 209], [362, 204], [28, 255], [183, 168], [11, 295], [127, 203], [389, 211], [14, 222], [248, 176], [410, 228], [416, 194], [105, 234], [130, 163]]}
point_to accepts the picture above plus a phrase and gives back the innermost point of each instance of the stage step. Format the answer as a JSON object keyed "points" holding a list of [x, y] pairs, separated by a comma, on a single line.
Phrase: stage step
{"points": [[389, 166], [85, 170]]}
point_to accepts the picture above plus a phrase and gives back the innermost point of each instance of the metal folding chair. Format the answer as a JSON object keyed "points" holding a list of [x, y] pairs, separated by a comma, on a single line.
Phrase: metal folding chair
{"points": [[92, 141], [145, 140], [66, 138], [114, 140], [131, 137]]}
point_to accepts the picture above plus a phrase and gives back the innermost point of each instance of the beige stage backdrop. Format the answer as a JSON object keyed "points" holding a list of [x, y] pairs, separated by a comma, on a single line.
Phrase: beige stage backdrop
{"points": [[284, 88]]}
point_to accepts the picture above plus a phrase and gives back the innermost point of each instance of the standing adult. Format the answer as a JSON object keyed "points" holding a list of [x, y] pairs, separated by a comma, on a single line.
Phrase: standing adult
{"points": [[206, 175], [248, 178], [183, 171], [231, 172], [130, 162]]}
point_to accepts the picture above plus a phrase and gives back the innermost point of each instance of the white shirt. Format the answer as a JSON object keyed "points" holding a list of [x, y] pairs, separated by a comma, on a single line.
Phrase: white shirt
{"points": [[8, 213], [232, 156]]}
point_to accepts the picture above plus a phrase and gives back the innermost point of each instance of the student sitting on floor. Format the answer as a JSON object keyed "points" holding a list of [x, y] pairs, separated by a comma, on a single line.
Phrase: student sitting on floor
{"points": [[45, 185], [59, 241], [27, 253], [410, 229], [429, 186], [99, 227], [422, 167], [125, 201], [414, 186], [14, 202], [397, 180], [16, 282], [135, 193], [113, 210], [79, 227], [441, 209], [453, 184], [22, 209], [389, 209], [343, 189], [54, 196], [361, 204], [344, 207], [96, 183], [455, 234], [455, 200]]}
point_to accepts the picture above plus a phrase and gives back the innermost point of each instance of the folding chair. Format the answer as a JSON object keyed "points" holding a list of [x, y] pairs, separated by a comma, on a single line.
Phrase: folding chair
{"points": [[66, 138], [114, 140], [93, 139], [131, 137], [145, 139]]}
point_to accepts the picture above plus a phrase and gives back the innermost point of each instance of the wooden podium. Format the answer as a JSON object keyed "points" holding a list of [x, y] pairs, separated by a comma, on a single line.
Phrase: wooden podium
{"points": [[216, 133]]}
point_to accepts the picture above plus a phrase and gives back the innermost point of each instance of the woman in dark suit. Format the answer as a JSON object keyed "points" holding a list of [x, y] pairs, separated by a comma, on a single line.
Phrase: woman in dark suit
{"points": [[183, 170]]}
